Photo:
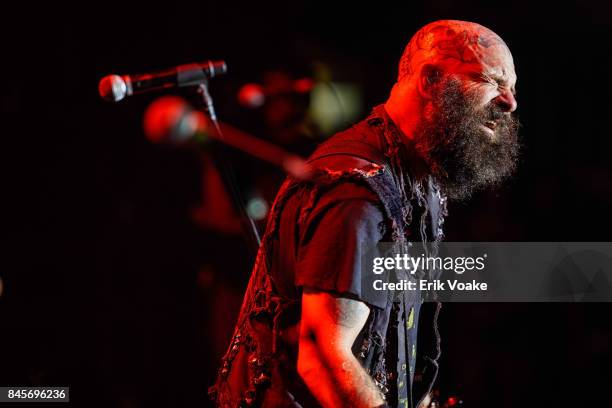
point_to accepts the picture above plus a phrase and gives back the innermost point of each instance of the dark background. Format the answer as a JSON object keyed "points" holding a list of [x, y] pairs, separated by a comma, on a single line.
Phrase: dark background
{"points": [[102, 263]]}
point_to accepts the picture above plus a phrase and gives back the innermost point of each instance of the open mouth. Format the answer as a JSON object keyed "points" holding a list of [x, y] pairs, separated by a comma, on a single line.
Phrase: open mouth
{"points": [[491, 124]]}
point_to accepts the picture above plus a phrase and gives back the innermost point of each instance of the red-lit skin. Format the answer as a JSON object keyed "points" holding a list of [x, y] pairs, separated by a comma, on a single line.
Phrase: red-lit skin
{"points": [[328, 329], [486, 72], [330, 324]]}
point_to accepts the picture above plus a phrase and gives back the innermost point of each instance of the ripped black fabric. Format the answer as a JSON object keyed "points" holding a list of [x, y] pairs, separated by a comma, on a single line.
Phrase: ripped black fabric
{"points": [[252, 371]]}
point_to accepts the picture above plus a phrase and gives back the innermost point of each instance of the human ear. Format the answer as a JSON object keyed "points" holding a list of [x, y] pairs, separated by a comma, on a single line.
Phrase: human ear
{"points": [[430, 76]]}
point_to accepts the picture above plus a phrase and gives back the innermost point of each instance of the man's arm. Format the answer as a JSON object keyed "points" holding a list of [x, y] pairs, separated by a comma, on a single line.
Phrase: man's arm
{"points": [[329, 326]]}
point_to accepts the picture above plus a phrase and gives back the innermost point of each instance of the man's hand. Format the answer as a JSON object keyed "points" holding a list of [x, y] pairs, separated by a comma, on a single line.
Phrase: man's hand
{"points": [[328, 329]]}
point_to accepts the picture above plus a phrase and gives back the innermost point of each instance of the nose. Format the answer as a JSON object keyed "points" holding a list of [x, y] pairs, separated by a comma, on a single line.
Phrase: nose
{"points": [[506, 101]]}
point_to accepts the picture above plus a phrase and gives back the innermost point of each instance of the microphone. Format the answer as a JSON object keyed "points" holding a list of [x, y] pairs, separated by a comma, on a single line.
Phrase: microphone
{"points": [[114, 88], [171, 119]]}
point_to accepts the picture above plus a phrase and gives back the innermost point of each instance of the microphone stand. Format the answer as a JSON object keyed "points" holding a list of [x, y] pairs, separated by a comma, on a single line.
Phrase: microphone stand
{"points": [[225, 168]]}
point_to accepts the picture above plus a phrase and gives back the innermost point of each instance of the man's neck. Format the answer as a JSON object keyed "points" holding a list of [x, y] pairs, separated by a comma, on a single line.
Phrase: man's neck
{"points": [[410, 155], [404, 109]]}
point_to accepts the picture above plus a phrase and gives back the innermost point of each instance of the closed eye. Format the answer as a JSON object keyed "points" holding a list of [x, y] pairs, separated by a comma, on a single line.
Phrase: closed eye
{"points": [[498, 82], [495, 81]]}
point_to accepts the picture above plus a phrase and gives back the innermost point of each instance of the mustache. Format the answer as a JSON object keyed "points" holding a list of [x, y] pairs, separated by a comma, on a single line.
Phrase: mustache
{"points": [[494, 112], [507, 123]]}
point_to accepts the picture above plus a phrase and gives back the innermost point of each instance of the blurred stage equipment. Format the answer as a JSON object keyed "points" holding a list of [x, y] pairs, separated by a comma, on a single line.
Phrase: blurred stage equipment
{"points": [[448, 401], [453, 402], [171, 119], [254, 95], [114, 88]]}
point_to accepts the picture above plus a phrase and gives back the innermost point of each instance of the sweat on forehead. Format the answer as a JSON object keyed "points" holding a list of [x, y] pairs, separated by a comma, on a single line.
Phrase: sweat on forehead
{"points": [[462, 41]]}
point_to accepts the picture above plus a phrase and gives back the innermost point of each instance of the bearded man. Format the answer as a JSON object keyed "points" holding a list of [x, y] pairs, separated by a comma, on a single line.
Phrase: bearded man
{"points": [[308, 333]]}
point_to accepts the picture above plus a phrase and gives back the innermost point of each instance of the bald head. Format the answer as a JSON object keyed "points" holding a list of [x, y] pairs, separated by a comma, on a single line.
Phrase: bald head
{"points": [[452, 42]]}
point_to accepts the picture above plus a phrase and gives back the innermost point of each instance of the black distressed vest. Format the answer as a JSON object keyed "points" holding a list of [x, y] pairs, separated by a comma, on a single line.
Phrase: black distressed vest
{"points": [[387, 346]]}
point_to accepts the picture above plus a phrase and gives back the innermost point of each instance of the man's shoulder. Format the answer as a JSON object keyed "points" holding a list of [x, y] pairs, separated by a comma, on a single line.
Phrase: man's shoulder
{"points": [[357, 147]]}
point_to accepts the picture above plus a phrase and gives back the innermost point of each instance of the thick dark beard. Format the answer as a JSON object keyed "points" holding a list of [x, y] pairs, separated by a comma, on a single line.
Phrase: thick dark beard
{"points": [[463, 157]]}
